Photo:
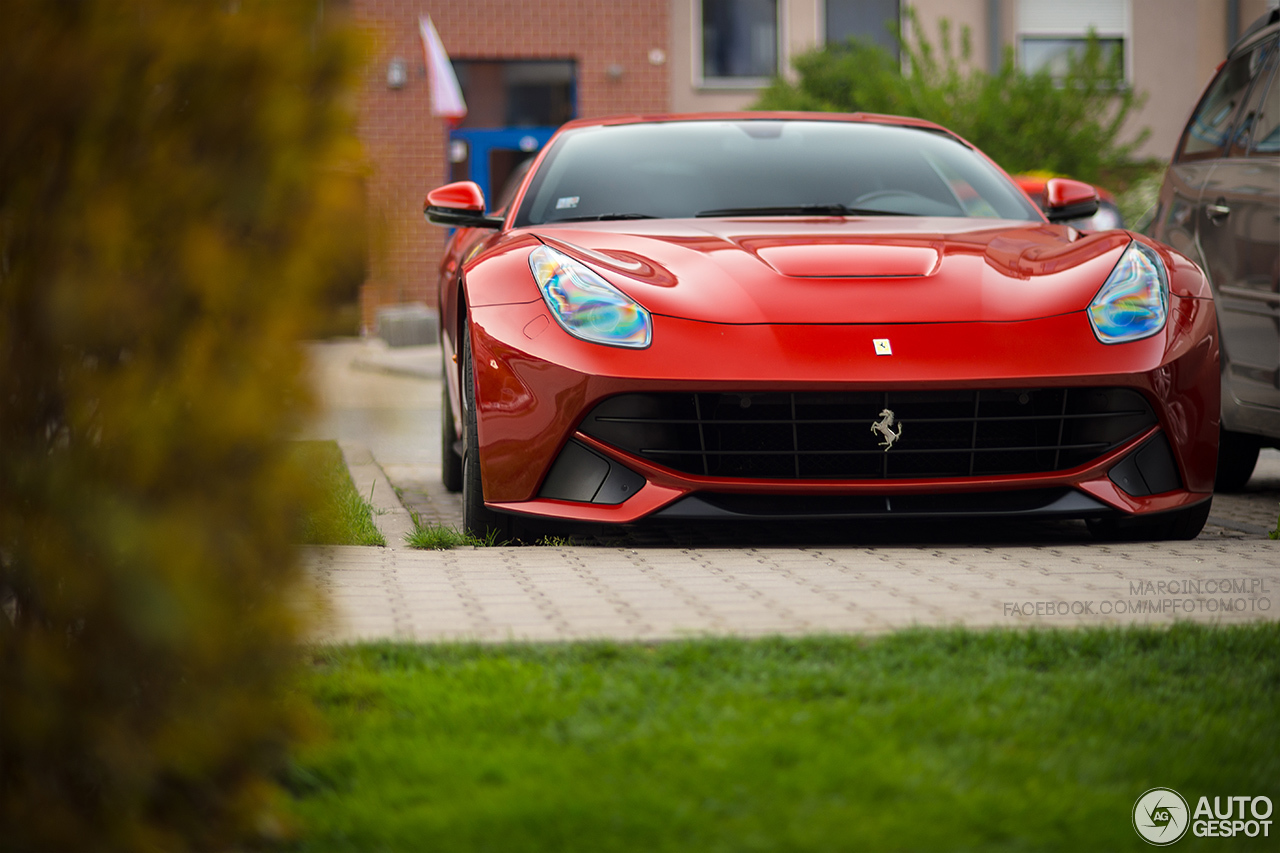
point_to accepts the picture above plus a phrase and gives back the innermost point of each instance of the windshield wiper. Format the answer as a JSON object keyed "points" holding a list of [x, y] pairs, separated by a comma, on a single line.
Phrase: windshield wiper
{"points": [[799, 210], [603, 217]]}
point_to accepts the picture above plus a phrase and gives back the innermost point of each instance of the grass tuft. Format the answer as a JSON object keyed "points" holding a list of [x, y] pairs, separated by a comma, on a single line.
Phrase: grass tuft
{"points": [[438, 537]]}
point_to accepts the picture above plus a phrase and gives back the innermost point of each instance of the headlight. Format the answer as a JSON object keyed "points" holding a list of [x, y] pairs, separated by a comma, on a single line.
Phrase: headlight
{"points": [[587, 306], [1134, 301]]}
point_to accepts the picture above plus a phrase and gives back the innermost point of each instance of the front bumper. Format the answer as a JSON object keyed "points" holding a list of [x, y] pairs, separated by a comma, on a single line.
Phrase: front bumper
{"points": [[535, 385]]}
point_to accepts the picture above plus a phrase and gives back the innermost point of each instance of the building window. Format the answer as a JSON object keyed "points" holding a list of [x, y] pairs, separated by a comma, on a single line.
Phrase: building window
{"points": [[1054, 54], [1050, 32], [874, 21], [516, 93], [739, 40]]}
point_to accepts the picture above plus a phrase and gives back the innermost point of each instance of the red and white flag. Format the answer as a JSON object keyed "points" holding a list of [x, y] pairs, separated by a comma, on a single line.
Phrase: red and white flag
{"points": [[446, 94]]}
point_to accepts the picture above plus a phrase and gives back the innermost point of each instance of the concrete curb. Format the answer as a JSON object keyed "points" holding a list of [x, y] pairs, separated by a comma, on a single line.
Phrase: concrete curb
{"points": [[419, 362], [371, 482]]}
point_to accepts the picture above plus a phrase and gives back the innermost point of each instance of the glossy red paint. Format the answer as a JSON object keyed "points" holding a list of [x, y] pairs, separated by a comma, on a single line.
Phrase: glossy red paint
{"points": [[971, 271], [533, 393], [778, 304], [463, 195], [1035, 185], [840, 258], [1064, 192]]}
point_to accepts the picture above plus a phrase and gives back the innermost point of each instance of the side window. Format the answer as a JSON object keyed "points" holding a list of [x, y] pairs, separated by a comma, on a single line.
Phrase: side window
{"points": [[1266, 126], [512, 183], [1208, 131], [1258, 118]]}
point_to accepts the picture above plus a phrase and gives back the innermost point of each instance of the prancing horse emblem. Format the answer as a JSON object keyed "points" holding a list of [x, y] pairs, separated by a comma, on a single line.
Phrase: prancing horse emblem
{"points": [[884, 426]]}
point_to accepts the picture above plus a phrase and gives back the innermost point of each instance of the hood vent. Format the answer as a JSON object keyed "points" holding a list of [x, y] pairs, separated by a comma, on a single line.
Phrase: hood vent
{"points": [[850, 260]]}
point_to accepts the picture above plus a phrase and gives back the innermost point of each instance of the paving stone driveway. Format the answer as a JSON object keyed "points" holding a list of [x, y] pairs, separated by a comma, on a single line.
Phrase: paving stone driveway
{"points": [[692, 584], [561, 593]]}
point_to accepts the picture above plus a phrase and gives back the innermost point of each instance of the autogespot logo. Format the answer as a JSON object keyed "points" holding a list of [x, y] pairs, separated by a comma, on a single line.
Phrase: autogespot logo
{"points": [[1160, 816]]}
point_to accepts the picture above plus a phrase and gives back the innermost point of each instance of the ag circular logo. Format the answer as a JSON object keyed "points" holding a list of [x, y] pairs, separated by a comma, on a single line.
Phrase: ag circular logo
{"points": [[1161, 816]]}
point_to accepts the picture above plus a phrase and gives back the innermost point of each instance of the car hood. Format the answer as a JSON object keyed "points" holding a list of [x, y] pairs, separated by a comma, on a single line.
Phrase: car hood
{"points": [[838, 270]]}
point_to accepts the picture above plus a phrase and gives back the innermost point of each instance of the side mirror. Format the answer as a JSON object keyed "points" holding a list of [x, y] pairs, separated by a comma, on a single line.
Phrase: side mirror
{"points": [[459, 205], [1065, 199]]}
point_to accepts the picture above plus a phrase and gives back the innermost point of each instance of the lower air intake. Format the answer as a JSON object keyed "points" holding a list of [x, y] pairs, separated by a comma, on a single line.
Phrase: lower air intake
{"points": [[833, 435]]}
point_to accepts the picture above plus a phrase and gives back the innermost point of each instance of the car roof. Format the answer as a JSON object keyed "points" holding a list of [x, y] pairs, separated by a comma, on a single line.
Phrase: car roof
{"points": [[763, 115], [1259, 28]]}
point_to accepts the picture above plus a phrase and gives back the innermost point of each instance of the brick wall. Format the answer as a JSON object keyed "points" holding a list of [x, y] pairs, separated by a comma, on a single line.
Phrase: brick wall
{"points": [[405, 145]]}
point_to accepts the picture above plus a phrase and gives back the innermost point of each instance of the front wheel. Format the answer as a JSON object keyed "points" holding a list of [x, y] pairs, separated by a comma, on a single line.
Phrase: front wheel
{"points": [[477, 519], [1178, 524], [450, 459]]}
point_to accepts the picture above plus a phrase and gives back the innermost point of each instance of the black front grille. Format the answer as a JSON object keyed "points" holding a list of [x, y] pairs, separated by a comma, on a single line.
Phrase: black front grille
{"points": [[829, 435]]}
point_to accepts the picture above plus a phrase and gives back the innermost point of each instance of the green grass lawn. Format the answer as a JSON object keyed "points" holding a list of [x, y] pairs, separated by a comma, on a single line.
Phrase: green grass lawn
{"points": [[341, 515], [922, 740]]}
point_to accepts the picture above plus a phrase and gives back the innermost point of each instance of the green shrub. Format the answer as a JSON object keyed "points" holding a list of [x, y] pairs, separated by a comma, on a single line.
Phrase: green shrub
{"points": [[176, 196], [1025, 122]]}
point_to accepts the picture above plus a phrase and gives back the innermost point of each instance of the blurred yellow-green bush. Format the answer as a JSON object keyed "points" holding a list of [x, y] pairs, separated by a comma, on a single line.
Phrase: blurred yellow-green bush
{"points": [[178, 193]]}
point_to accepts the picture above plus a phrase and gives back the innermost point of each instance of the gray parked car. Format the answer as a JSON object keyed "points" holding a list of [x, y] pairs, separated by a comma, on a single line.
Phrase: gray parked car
{"points": [[1220, 204]]}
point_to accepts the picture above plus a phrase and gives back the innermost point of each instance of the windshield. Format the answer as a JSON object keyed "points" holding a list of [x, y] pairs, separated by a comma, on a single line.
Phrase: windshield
{"points": [[764, 167]]}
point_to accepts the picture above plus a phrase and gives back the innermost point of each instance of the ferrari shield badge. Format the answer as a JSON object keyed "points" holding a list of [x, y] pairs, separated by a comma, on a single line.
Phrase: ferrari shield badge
{"points": [[884, 426], [882, 346]]}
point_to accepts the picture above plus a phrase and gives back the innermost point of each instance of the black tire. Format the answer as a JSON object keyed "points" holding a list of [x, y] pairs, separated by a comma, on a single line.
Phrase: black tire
{"points": [[450, 459], [477, 519], [1237, 456], [1179, 524]]}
